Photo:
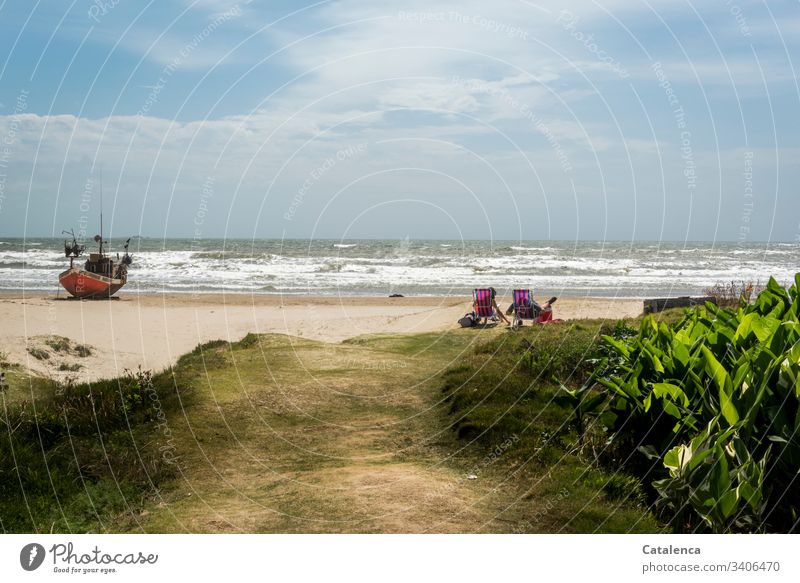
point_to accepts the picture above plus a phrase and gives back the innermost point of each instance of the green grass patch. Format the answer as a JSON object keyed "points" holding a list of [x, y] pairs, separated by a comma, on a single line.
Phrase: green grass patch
{"points": [[75, 457], [508, 389], [59, 343]]}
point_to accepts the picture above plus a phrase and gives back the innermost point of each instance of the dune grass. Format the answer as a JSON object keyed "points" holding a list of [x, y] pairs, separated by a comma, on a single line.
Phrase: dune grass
{"points": [[506, 390], [75, 457], [448, 432]]}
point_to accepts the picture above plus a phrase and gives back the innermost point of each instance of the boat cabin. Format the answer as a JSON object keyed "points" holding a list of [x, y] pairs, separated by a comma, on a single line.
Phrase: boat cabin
{"points": [[100, 264]]}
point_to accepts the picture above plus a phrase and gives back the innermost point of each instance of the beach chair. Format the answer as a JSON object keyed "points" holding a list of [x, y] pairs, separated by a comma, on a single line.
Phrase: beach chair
{"points": [[526, 308], [482, 301]]}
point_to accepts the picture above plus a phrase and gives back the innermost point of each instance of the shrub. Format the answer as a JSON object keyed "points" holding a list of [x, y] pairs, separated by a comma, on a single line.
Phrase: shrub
{"points": [[82, 350], [734, 293], [69, 367], [58, 343], [708, 411], [38, 353]]}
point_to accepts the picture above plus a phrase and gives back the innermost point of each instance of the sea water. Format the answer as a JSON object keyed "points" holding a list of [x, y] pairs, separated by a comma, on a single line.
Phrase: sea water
{"points": [[413, 267]]}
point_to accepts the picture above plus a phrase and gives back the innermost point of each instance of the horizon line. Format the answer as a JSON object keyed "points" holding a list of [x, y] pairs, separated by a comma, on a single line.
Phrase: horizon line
{"points": [[338, 239]]}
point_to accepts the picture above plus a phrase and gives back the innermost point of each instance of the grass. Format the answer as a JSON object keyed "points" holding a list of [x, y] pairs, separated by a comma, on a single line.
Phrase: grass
{"points": [[75, 457], [506, 389], [449, 432], [58, 343], [63, 345], [65, 366], [291, 435], [38, 353], [731, 294], [81, 350]]}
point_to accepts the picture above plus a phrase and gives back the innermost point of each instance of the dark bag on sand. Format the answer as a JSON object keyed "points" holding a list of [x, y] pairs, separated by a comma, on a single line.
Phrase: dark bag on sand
{"points": [[468, 321]]}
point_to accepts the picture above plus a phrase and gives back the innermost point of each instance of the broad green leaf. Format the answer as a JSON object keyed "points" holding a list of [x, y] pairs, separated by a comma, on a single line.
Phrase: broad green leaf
{"points": [[750, 495], [619, 387], [721, 477], [652, 353], [592, 403], [676, 393], [727, 503], [673, 459], [764, 326], [745, 326], [618, 346], [680, 352], [671, 409], [723, 381], [739, 377], [698, 458]]}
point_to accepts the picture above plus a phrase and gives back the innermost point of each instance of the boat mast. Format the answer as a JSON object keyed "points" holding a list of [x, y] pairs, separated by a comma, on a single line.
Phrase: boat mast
{"points": [[101, 210]]}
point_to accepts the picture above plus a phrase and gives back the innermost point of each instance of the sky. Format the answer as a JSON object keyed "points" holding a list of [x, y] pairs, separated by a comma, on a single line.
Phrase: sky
{"points": [[576, 120]]}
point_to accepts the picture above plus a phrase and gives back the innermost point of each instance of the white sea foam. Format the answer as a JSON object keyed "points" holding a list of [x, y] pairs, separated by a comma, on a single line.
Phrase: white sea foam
{"points": [[409, 267]]}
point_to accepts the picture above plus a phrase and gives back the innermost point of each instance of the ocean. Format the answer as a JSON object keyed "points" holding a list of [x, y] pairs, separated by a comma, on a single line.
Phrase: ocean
{"points": [[413, 267]]}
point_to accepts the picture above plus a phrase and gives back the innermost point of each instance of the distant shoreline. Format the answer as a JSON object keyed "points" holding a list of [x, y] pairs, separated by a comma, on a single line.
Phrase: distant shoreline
{"points": [[130, 294], [749, 242]]}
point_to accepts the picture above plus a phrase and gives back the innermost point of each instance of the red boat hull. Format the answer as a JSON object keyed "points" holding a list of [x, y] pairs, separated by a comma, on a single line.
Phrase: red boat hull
{"points": [[83, 284]]}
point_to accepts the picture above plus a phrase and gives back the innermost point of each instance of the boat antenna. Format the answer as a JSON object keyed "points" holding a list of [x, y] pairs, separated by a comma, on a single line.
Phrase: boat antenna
{"points": [[101, 210]]}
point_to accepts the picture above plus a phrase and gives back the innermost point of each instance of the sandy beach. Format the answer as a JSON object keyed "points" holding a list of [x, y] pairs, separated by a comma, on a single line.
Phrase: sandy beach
{"points": [[154, 330]]}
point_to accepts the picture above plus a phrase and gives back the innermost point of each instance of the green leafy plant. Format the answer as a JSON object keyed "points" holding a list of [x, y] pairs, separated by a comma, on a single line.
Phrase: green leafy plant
{"points": [[584, 404], [716, 399]]}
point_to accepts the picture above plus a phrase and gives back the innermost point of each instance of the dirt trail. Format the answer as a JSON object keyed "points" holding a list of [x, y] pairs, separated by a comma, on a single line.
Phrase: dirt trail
{"points": [[299, 436]]}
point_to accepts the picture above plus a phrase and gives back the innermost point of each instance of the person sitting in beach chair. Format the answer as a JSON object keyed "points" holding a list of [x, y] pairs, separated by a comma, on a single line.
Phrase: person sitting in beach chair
{"points": [[524, 307], [485, 305]]}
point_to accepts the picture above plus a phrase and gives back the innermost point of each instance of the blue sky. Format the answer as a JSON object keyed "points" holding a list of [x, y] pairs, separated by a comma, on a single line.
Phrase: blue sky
{"points": [[612, 119]]}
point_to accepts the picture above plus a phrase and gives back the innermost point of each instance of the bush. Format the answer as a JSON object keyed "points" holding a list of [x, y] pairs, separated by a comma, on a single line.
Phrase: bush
{"points": [[733, 293], [708, 410], [64, 366], [58, 343], [38, 353], [82, 350]]}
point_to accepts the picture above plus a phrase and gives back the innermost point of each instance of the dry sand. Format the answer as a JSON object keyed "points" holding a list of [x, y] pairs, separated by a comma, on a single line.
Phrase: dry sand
{"points": [[154, 330]]}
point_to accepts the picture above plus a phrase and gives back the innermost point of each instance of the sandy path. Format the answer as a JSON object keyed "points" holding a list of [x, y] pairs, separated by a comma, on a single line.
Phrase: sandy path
{"points": [[154, 330], [297, 436]]}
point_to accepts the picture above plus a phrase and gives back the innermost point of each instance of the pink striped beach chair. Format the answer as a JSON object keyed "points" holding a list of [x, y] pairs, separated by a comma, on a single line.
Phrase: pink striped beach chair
{"points": [[526, 308], [482, 301]]}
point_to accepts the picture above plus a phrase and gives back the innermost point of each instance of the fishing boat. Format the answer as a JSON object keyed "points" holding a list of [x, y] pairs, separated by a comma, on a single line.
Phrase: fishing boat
{"points": [[101, 276]]}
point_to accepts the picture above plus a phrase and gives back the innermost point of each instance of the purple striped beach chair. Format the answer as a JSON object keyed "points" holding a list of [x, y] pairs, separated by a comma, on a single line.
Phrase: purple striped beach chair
{"points": [[523, 305], [482, 300]]}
